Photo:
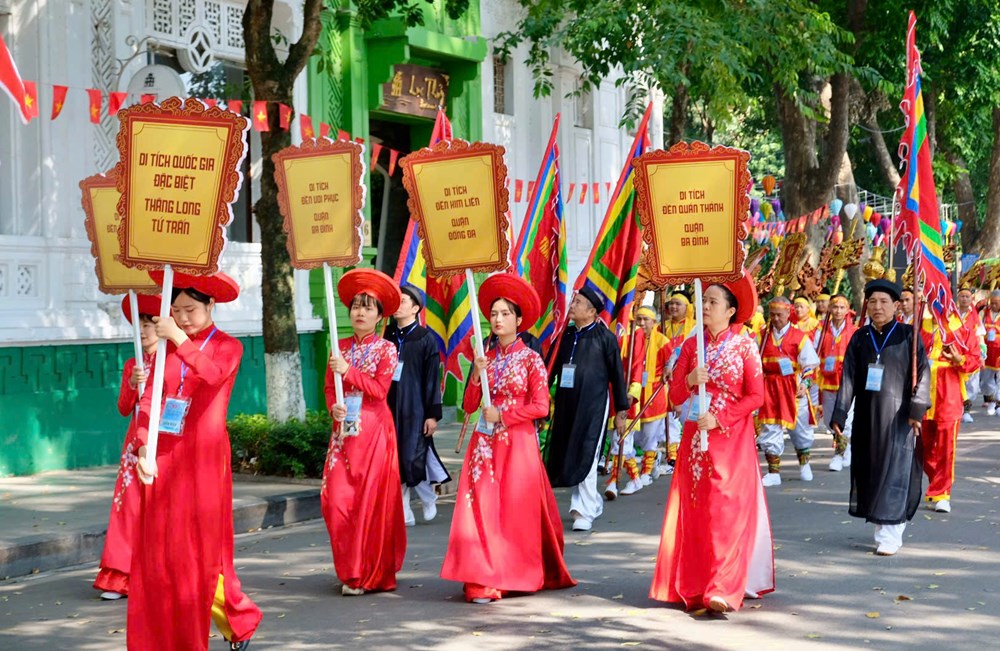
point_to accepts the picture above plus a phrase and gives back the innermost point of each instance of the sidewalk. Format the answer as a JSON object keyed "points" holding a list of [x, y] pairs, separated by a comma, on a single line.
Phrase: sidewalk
{"points": [[57, 519]]}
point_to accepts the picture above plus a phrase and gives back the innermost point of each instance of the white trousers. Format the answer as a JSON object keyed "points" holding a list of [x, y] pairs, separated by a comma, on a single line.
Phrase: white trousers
{"points": [[673, 429], [972, 386], [651, 434], [829, 399], [890, 535], [772, 436], [990, 381], [585, 500], [424, 491], [628, 449]]}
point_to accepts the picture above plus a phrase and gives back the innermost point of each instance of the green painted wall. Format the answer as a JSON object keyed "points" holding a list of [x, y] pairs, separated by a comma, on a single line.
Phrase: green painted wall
{"points": [[58, 404]]}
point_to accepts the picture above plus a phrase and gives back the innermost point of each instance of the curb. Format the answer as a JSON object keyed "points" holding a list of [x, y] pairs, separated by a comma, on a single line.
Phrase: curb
{"points": [[34, 554]]}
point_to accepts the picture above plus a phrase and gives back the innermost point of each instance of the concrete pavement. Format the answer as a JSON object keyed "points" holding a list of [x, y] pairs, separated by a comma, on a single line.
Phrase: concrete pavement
{"points": [[939, 592]]}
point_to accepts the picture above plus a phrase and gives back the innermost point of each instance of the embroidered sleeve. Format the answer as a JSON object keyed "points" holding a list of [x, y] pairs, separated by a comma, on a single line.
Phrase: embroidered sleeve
{"points": [[536, 399], [679, 391], [127, 396], [747, 385], [376, 385]]}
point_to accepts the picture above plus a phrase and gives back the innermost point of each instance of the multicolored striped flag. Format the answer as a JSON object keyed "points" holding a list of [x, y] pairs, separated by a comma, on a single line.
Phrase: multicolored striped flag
{"points": [[540, 254], [919, 225], [446, 310], [614, 261]]}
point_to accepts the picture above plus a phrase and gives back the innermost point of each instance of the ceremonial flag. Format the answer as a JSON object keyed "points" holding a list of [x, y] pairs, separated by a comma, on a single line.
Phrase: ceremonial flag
{"points": [[306, 126], [613, 266], [260, 116], [31, 98], [95, 105], [920, 220], [284, 116], [11, 83], [446, 312], [540, 254], [58, 100]]}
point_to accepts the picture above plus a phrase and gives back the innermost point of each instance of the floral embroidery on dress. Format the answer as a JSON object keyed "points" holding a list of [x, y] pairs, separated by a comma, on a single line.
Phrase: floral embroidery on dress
{"points": [[127, 473]]}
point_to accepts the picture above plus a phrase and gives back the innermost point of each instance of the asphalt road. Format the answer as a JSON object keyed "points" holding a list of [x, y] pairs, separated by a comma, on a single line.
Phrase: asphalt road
{"points": [[939, 592]]}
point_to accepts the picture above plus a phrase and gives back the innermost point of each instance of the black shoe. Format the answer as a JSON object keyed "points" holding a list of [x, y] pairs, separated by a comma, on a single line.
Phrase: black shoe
{"points": [[239, 646]]}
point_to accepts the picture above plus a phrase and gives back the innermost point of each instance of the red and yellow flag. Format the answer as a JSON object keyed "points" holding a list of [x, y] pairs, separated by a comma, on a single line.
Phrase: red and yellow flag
{"points": [[31, 99], [11, 83], [260, 116], [95, 105], [58, 100]]}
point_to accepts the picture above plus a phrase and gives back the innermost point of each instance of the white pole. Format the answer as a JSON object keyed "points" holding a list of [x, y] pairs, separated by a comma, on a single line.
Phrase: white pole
{"points": [[700, 337], [136, 330], [161, 354], [477, 341], [331, 314]]}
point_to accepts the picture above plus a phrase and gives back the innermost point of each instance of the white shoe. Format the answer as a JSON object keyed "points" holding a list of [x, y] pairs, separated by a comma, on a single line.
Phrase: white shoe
{"points": [[805, 472], [351, 592], [886, 549], [967, 418], [657, 471], [750, 595], [430, 511], [991, 409], [408, 518], [771, 479], [482, 600], [111, 596], [943, 506], [633, 486], [837, 463], [718, 605], [646, 480], [668, 469], [611, 491], [582, 524], [847, 456]]}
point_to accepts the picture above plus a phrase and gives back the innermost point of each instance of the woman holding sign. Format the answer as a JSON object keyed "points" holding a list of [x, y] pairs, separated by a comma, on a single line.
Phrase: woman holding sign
{"points": [[182, 567], [362, 499], [716, 542], [506, 534], [116, 560]]}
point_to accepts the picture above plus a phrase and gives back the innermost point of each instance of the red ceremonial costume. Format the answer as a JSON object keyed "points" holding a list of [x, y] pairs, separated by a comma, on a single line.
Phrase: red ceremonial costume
{"points": [[361, 499], [506, 533], [658, 353], [939, 432], [780, 403], [716, 539], [991, 322], [831, 355], [182, 574]]}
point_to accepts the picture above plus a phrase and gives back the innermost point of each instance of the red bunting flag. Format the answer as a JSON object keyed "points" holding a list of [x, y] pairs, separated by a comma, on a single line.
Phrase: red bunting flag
{"points": [[597, 193], [11, 83], [376, 151], [324, 129], [393, 155], [31, 98], [95, 105], [607, 187], [260, 116], [343, 135], [210, 103], [306, 127], [572, 191], [359, 140], [58, 100], [147, 98], [235, 105], [583, 193], [531, 186], [115, 101], [518, 190], [284, 116]]}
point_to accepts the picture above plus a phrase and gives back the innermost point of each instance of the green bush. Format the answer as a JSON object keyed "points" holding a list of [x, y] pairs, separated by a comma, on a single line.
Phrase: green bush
{"points": [[292, 449]]}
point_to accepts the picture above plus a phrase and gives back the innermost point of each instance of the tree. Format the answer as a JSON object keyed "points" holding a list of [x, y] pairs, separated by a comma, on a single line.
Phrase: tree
{"points": [[272, 81]]}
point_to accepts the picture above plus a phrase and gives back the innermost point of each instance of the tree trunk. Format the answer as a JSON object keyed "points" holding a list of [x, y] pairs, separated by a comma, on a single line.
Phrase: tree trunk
{"points": [[989, 238], [965, 197], [273, 82], [883, 157], [678, 114]]}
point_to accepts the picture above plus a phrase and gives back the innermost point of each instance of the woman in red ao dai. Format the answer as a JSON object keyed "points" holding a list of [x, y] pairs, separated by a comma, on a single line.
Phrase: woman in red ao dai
{"points": [[361, 498], [506, 534], [716, 543]]}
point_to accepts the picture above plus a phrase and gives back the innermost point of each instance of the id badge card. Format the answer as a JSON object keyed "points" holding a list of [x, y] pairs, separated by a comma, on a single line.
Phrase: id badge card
{"points": [[398, 373], [874, 380], [693, 413], [352, 422], [829, 364], [172, 418], [483, 427], [991, 335], [785, 365], [568, 376], [645, 378]]}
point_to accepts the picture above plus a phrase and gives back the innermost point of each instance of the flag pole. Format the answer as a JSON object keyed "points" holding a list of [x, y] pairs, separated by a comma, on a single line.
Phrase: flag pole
{"points": [[700, 337], [137, 338], [331, 316], [161, 354], [477, 341]]}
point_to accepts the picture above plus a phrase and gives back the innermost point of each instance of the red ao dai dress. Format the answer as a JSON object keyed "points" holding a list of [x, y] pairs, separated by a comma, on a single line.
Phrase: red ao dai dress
{"points": [[361, 498], [717, 533], [506, 533]]}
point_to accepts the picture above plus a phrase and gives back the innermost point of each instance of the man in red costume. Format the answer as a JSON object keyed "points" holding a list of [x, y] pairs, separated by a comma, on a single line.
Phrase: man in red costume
{"points": [[991, 368], [633, 376], [676, 330], [939, 434], [832, 346], [652, 430], [788, 358], [971, 320]]}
